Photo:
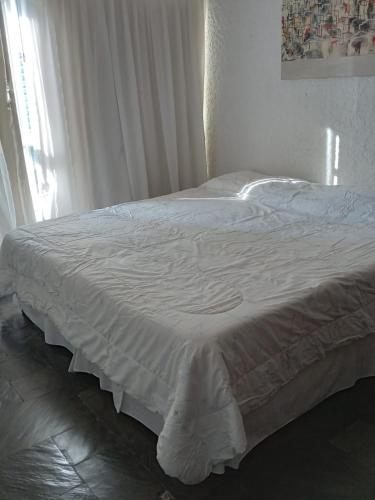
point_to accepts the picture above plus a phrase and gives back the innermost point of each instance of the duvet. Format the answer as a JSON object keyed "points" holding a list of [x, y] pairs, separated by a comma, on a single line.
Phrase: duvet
{"points": [[203, 304]]}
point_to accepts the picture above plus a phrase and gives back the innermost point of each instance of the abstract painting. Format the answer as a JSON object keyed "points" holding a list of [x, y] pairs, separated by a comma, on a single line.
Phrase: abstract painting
{"points": [[327, 38]]}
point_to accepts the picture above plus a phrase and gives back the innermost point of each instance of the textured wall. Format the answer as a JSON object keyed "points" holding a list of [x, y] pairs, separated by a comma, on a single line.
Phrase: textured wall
{"points": [[256, 121]]}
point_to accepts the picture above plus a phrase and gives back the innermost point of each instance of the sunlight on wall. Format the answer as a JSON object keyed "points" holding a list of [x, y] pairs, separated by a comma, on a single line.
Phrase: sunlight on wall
{"points": [[337, 160], [207, 90], [332, 157]]}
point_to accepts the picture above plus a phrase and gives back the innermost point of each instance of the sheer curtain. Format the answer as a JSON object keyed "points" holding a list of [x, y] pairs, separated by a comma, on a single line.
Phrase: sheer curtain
{"points": [[7, 211], [110, 98], [15, 201]]}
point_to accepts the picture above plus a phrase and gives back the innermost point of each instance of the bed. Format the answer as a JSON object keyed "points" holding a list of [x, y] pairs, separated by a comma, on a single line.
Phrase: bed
{"points": [[214, 315]]}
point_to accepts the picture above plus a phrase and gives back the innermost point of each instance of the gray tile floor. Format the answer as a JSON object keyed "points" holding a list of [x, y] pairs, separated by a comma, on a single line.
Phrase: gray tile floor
{"points": [[61, 438]]}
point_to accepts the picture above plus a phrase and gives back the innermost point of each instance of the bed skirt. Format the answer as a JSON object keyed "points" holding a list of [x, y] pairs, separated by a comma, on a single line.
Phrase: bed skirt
{"points": [[340, 370]]}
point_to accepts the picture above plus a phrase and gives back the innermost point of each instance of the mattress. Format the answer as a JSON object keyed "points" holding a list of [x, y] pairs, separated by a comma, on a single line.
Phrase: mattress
{"points": [[204, 305]]}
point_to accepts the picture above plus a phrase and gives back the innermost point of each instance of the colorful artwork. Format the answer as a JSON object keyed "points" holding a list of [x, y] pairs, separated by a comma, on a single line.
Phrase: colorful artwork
{"points": [[328, 31]]}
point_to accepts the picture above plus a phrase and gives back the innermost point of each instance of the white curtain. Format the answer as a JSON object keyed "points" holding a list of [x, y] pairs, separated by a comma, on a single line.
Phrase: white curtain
{"points": [[7, 211], [15, 201], [110, 98]]}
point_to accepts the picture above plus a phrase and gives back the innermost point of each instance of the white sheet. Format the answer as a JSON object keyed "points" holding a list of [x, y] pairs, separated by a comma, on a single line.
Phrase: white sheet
{"points": [[204, 304]]}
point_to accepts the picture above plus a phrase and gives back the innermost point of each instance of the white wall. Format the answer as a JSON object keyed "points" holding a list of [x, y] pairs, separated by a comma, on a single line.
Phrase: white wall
{"points": [[256, 121]]}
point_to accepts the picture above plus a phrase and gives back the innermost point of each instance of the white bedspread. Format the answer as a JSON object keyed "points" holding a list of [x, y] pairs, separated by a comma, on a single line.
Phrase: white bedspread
{"points": [[203, 304]]}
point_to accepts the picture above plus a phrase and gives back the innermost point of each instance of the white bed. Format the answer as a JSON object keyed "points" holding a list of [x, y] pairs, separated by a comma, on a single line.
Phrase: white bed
{"points": [[214, 315]]}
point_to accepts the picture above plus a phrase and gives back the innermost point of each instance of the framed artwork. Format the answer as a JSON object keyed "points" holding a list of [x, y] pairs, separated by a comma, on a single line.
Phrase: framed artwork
{"points": [[327, 38]]}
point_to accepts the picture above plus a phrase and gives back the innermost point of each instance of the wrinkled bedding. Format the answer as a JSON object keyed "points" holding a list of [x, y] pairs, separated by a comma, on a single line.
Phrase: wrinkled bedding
{"points": [[203, 304]]}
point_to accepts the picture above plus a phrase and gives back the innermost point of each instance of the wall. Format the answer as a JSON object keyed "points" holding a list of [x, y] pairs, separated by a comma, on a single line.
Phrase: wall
{"points": [[256, 121]]}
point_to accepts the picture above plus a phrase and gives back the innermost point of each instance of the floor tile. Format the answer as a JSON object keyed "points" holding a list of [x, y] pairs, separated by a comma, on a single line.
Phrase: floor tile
{"points": [[8, 394], [131, 433], [331, 416], [81, 492], [25, 424], [94, 447], [13, 368], [113, 473], [59, 359], [39, 383], [317, 472], [29, 343], [364, 397], [17, 342], [84, 441], [358, 441], [39, 472]]}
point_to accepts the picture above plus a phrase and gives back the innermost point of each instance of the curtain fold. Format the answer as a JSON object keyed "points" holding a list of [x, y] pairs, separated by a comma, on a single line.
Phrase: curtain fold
{"points": [[14, 173], [7, 210], [114, 98]]}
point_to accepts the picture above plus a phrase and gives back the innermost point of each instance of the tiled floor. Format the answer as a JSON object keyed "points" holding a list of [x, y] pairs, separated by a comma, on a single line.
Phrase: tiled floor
{"points": [[61, 438]]}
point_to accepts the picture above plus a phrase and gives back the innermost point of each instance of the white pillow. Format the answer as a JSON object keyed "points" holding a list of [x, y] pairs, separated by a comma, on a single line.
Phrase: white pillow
{"points": [[234, 181]]}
